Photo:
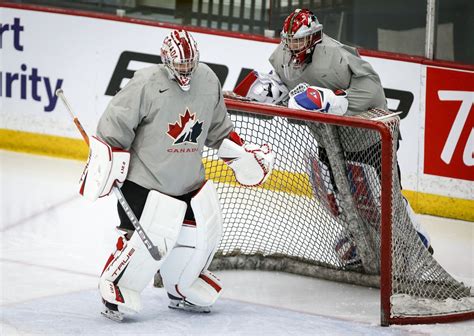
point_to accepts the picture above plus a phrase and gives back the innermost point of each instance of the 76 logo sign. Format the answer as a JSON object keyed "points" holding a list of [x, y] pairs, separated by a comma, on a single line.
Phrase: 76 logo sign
{"points": [[449, 124]]}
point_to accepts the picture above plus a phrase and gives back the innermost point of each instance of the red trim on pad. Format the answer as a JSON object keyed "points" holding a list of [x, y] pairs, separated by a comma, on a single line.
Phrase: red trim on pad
{"points": [[211, 282], [189, 222]]}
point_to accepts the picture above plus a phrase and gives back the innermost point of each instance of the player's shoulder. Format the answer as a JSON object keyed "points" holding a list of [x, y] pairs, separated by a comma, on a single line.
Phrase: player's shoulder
{"points": [[151, 73], [334, 50], [152, 77], [330, 45], [277, 53], [204, 80], [205, 73]]}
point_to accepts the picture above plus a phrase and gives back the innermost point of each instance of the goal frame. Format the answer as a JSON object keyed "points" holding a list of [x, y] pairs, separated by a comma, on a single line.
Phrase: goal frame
{"points": [[387, 153]]}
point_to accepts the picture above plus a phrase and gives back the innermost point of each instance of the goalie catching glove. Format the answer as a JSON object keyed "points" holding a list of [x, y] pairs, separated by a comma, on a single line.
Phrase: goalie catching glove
{"points": [[317, 99], [252, 164], [105, 166], [263, 88]]}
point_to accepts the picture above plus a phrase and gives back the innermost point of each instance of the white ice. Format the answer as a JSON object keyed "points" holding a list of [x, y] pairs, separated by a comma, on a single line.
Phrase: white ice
{"points": [[54, 245]]}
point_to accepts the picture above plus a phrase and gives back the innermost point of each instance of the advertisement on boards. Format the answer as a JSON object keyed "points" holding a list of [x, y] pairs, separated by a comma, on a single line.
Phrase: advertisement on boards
{"points": [[449, 123], [91, 59]]}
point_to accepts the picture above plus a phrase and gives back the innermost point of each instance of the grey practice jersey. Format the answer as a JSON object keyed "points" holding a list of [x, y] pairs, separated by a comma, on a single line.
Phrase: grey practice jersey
{"points": [[166, 128], [337, 66]]}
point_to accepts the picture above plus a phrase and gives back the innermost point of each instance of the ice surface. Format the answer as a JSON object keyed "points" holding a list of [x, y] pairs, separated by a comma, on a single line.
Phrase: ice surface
{"points": [[76, 313], [53, 245]]}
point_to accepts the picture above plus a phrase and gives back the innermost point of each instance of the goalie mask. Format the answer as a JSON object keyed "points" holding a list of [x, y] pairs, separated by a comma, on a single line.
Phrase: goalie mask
{"points": [[180, 55], [301, 32]]}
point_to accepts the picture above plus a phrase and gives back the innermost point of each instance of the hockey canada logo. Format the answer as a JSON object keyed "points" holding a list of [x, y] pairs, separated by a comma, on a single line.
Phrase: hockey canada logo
{"points": [[187, 129]]}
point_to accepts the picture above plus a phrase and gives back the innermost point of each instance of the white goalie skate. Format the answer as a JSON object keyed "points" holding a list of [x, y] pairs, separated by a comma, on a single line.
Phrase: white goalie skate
{"points": [[111, 312], [186, 306]]}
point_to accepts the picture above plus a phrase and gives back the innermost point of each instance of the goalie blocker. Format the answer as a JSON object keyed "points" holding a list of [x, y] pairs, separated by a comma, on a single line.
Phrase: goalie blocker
{"points": [[105, 166], [263, 88], [318, 99]]}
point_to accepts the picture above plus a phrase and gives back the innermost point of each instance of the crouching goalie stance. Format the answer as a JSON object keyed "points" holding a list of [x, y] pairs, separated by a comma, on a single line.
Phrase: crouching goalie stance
{"points": [[313, 72], [150, 141]]}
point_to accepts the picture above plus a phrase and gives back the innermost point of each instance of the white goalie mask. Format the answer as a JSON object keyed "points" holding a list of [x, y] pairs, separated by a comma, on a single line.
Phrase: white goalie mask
{"points": [[180, 55]]}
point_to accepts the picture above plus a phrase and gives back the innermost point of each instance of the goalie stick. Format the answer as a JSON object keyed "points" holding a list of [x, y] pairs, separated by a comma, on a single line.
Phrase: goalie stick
{"points": [[152, 249]]}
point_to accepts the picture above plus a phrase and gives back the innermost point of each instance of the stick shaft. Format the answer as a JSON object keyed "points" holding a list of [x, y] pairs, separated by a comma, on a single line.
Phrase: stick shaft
{"points": [[155, 253], [60, 94], [81, 130]]}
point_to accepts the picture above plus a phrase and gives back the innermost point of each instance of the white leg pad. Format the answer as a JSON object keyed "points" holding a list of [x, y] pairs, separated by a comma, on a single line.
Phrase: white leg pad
{"points": [[133, 267], [185, 272], [121, 296], [205, 290]]}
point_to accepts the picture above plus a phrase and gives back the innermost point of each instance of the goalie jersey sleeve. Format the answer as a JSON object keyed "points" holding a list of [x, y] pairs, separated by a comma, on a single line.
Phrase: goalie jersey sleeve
{"points": [[221, 125], [165, 128], [123, 114], [365, 90]]}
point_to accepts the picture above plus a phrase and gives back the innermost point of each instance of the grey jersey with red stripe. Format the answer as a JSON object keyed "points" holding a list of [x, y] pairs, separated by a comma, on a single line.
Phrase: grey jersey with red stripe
{"points": [[337, 66], [166, 128]]}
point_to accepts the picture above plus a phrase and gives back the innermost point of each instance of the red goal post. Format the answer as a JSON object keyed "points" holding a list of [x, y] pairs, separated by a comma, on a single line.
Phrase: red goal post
{"points": [[386, 160], [332, 179]]}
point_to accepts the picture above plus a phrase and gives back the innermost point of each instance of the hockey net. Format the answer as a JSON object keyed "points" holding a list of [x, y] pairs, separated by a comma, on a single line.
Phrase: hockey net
{"points": [[332, 209]]}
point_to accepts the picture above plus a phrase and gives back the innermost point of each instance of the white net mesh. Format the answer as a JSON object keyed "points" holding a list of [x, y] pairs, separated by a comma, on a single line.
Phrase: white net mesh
{"points": [[299, 214], [319, 213]]}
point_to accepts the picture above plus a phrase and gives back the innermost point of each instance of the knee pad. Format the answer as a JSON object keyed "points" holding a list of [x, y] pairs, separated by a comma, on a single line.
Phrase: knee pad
{"points": [[131, 267], [185, 272]]}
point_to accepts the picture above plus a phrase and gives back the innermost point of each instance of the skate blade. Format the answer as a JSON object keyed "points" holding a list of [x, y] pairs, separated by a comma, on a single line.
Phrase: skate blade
{"points": [[192, 309], [113, 315]]}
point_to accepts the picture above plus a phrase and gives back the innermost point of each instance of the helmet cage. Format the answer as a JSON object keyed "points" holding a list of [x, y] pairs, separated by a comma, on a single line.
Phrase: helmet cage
{"points": [[181, 70]]}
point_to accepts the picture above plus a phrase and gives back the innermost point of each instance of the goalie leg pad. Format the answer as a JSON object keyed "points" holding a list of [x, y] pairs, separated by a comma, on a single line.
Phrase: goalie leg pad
{"points": [[185, 272], [115, 266], [363, 191], [131, 267], [322, 186]]}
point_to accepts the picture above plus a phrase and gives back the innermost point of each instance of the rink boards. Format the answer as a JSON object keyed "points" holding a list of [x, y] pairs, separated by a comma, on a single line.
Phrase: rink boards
{"points": [[434, 155]]}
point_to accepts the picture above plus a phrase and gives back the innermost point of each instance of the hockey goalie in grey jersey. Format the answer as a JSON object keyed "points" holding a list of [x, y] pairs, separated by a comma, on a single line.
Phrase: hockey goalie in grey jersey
{"points": [[313, 72], [163, 118], [307, 55]]}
